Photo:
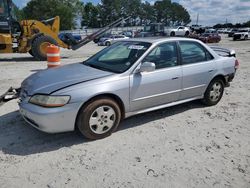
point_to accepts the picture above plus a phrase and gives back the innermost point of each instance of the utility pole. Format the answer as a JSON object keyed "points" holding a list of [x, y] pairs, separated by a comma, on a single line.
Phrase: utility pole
{"points": [[197, 20]]}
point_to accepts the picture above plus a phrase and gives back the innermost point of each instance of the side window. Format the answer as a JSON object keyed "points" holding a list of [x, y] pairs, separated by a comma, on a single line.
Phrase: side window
{"points": [[164, 55], [193, 52]]}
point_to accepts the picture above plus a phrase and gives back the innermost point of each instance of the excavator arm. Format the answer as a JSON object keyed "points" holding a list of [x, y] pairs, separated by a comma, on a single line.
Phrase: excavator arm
{"points": [[98, 33]]}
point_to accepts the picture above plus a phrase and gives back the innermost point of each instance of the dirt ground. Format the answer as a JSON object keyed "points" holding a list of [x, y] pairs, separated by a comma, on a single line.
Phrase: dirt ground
{"points": [[183, 146]]}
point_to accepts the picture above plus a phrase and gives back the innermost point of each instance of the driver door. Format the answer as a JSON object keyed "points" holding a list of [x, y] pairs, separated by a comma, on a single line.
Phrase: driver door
{"points": [[161, 86]]}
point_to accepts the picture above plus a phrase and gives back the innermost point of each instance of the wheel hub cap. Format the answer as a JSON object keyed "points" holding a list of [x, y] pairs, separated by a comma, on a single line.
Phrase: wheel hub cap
{"points": [[102, 119], [215, 92]]}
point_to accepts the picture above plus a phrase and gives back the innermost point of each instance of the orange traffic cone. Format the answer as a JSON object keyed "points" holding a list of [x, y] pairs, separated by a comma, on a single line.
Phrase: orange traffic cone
{"points": [[53, 56]]}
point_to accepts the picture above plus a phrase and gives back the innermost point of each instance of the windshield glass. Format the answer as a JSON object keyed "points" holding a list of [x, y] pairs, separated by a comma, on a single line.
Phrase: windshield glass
{"points": [[119, 57], [3, 8]]}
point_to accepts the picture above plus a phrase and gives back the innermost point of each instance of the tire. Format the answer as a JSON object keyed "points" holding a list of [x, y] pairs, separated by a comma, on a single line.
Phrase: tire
{"points": [[99, 118], [214, 92], [187, 33], [39, 47], [96, 40], [107, 43], [31, 53], [172, 34], [246, 37]]}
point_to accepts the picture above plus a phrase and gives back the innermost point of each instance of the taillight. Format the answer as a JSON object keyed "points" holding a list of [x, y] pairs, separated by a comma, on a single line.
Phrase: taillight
{"points": [[237, 64]]}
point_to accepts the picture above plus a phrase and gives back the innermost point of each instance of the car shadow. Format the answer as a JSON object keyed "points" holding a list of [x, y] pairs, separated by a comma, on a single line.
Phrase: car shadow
{"points": [[18, 59], [19, 138], [137, 120]]}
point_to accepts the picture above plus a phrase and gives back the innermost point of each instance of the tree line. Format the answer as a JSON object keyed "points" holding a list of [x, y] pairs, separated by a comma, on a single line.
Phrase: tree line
{"points": [[230, 25], [107, 11]]}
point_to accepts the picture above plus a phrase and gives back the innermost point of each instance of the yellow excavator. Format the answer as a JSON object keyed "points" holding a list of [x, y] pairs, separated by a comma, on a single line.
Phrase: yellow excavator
{"points": [[32, 36]]}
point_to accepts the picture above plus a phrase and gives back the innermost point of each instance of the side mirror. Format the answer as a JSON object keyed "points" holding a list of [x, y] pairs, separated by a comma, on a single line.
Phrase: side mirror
{"points": [[147, 67], [232, 53]]}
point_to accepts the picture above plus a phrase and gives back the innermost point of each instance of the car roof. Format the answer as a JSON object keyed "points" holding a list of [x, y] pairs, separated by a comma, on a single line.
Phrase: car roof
{"points": [[159, 39]]}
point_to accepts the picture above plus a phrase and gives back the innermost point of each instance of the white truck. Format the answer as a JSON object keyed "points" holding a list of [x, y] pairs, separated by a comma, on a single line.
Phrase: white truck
{"points": [[178, 31], [242, 34]]}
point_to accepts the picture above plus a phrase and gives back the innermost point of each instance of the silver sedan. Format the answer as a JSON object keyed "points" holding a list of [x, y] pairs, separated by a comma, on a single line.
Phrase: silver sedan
{"points": [[127, 78]]}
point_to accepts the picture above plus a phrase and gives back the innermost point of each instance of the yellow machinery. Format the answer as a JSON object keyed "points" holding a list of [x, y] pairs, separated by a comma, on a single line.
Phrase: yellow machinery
{"points": [[27, 36], [34, 36]]}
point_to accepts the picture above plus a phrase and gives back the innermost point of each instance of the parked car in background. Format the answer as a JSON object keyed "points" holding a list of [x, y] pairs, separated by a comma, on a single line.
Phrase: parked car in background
{"points": [[130, 34], [178, 31], [128, 78], [107, 41], [106, 35], [197, 29], [232, 32], [210, 37], [242, 34], [151, 30]]}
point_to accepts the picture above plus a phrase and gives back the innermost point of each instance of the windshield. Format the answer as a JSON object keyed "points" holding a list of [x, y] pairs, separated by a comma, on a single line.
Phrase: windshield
{"points": [[3, 8], [119, 57]]}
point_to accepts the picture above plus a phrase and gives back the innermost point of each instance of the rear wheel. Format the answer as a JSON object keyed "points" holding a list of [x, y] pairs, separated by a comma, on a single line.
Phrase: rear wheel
{"points": [[39, 47], [187, 33], [99, 118], [214, 92]]}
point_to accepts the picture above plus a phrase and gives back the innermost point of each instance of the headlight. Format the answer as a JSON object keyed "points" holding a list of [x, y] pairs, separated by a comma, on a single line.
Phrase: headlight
{"points": [[49, 101]]}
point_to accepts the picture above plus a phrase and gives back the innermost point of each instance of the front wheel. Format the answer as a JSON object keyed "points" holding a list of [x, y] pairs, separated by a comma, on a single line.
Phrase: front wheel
{"points": [[99, 118], [108, 43], [39, 47], [214, 92], [172, 34]]}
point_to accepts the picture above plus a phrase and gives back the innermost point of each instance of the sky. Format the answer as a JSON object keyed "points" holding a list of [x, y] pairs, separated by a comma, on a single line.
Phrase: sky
{"points": [[210, 12]]}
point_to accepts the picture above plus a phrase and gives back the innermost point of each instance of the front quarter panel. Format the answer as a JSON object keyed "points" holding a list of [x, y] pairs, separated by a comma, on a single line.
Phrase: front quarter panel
{"points": [[116, 85]]}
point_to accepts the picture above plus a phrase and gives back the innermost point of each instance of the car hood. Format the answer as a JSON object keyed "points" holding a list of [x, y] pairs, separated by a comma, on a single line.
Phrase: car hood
{"points": [[48, 81]]}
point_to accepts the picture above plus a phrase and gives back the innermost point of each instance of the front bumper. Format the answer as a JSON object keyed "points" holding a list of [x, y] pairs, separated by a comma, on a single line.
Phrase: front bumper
{"points": [[50, 120]]}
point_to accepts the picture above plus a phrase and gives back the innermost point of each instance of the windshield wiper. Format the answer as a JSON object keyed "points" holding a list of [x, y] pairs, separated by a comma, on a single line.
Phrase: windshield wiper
{"points": [[98, 67]]}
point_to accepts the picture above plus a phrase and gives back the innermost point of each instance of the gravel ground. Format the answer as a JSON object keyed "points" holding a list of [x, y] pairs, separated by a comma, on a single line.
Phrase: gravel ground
{"points": [[183, 146]]}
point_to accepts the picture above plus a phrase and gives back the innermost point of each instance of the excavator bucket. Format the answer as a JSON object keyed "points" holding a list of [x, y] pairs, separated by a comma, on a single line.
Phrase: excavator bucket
{"points": [[9, 95]]}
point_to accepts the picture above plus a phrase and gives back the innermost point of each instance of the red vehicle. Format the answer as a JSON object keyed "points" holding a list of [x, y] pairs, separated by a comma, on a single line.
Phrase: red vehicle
{"points": [[210, 37]]}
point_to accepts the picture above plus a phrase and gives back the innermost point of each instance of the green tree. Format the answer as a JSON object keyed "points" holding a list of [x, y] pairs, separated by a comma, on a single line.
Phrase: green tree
{"points": [[179, 15], [162, 10], [111, 10], [66, 9], [91, 15], [147, 13], [171, 13]]}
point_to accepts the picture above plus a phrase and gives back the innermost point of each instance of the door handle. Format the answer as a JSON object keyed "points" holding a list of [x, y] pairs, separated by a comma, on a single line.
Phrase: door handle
{"points": [[175, 78], [210, 70]]}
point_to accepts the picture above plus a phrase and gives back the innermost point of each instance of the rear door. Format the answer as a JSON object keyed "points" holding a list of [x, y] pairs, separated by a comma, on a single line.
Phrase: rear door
{"points": [[150, 89], [198, 68]]}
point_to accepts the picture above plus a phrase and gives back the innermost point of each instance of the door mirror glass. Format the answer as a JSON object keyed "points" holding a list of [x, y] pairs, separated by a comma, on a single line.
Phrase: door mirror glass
{"points": [[147, 67]]}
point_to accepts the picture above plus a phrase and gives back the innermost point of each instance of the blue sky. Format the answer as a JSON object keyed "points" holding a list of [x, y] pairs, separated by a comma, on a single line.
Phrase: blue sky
{"points": [[210, 11]]}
